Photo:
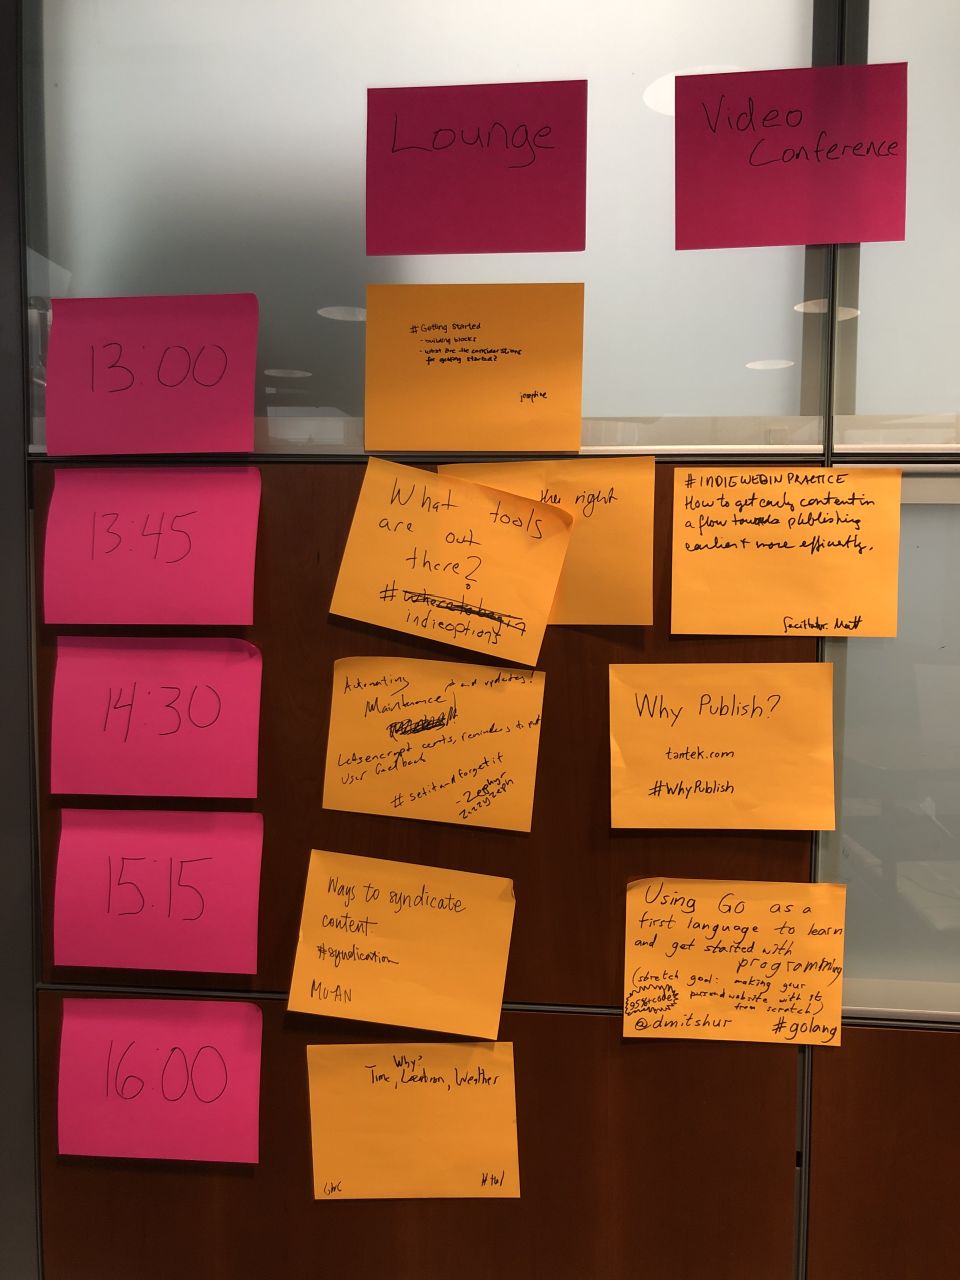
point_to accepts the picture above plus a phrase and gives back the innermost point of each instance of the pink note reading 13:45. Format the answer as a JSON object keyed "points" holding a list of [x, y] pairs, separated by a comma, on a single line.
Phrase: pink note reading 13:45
{"points": [[160, 1080], [142, 890], [815, 155], [155, 717], [152, 375], [151, 545]]}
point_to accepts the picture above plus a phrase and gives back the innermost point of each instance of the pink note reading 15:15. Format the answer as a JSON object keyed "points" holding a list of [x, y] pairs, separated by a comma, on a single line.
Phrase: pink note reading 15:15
{"points": [[140, 890], [152, 375], [160, 1080], [155, 717], [151, 545]]}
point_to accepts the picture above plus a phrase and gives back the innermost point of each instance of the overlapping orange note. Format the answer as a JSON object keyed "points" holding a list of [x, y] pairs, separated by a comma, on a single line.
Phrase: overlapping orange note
{"points": [[607, 576], [722, 744], [407, 945], [734, 960], [465, 367], [447, 560], [785, 551], [443, 741], [413, 1121]]}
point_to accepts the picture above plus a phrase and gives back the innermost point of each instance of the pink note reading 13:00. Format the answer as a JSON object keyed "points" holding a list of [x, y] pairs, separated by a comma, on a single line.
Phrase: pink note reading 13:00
{"points": [[140, 890], [815, 155], [155, 717], [151, 545], [160, 1080], [152, 375]]}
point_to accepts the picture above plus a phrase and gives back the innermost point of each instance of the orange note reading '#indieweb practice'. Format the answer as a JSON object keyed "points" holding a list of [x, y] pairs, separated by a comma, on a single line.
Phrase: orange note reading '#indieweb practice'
{"points": [[451, 561], [785, 551], [407, 945], [734, 960], [722, 744], [413, 1121], [462, 367], [607, 576]]}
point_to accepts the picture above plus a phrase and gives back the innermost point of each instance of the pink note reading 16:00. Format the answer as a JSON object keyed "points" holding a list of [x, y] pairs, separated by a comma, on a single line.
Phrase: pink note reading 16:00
{"points": [[155, 717], [160, 1080], [140, 890], [152, 375], [151, 545]]}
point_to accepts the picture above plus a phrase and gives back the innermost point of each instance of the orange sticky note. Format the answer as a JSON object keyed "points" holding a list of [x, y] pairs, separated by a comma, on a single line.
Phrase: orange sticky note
{"points": [[443, 741], [607, 575], [465, 367], [722, 744], [734, 960], [407, 945], [413, 1121], [786, 551], [448, 560]]}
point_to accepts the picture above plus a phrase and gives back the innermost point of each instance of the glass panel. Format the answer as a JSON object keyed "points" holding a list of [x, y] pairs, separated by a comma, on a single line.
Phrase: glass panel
{"points": [[183, 147]]}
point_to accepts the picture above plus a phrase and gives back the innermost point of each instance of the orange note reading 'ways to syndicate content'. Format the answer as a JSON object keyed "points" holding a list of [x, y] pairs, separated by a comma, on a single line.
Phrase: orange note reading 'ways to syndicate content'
{"points": [[437, 740], [785, 551], [734, 960], [406, 945], [732, 744], [466, 367], [412, 1121], [452, 561]]}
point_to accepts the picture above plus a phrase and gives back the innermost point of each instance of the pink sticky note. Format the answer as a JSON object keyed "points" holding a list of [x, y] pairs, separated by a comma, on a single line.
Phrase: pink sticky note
{"points": [[140, 890], [160, 1080], [152, 375], [477, 168], [155, 717], [816, 155], [151, 545]]}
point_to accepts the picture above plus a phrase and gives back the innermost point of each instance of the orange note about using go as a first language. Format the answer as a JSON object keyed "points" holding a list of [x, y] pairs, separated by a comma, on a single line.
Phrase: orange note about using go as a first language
{"points": [[734, 960], [407, 945], [466, 367], [413, 1121], [447, 560]]}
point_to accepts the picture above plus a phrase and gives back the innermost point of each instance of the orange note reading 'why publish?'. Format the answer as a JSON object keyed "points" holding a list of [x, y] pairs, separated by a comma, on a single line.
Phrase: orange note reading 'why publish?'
{"points": [[443, 741], [734, 960], [407, 945], [413, 1121], [474, 367], [607, 575], [724, 744], [447, 560], [785, 551]]}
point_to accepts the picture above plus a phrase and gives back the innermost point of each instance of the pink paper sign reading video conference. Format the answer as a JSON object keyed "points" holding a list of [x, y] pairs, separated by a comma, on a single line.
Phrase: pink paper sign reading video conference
{"points": [[160, 1080], [152, 375], [157, 545], [139, 890], [816, 155], [477, 168], [155, 717]]}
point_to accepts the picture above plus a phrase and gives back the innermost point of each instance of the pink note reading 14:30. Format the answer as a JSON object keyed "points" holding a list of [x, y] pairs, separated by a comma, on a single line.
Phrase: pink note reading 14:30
{"points": [[140, 890], [160, 1080], [155, 717], [152, 375], [814, 155], [151, 545]]}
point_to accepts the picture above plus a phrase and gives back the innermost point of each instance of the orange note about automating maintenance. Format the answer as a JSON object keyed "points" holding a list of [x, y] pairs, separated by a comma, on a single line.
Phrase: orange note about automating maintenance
{"points": [[406, 945], [465, 367], [607, 576], [734, 960], [785, 551], [413, 1121], [442, 741], [451, 561], [723, 744]]}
